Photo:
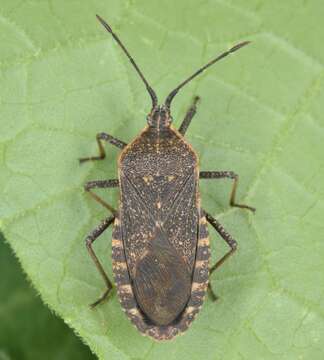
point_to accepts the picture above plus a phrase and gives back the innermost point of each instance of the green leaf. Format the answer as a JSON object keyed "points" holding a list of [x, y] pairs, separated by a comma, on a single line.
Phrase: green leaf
{"points": [[63, 79], [27, 329]]}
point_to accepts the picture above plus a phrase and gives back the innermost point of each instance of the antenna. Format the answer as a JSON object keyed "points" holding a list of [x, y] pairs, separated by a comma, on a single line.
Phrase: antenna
{"points": [[174, 92], [148, 87]]}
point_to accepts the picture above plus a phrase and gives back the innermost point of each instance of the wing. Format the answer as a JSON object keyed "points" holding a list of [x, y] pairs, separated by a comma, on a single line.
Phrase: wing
{"points": [[162, 282], [160, 249]]}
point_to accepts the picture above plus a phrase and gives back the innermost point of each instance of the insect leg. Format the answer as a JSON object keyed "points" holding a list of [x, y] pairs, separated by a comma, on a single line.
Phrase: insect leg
{"points": [[102, 154], [101, 184], [226, 236], [229, 240], [230, 175], [89, 240], [213, 296], [188, 117]]}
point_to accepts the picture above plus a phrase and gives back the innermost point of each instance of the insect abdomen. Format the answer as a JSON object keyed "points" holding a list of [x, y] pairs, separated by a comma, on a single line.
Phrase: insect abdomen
{"points": [[125, 287], [162, 282]]}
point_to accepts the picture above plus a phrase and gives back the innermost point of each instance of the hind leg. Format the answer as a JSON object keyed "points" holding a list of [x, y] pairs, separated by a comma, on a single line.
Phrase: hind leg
{"points": [[228, 239], [89, 241]]}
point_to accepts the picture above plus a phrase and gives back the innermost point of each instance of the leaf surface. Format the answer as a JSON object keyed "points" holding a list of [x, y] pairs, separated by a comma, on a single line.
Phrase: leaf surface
{"points": [[63, 79], [28, 330]]}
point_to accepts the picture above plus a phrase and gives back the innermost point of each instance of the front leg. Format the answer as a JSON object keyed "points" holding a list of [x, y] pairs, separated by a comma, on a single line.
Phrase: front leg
{"points": [[188, 117], [102, 154], [230, 175]]}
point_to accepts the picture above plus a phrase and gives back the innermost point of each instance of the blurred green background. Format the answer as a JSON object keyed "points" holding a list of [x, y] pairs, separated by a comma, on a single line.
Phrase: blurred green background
{"points": [[29, 330], [63, 79]]}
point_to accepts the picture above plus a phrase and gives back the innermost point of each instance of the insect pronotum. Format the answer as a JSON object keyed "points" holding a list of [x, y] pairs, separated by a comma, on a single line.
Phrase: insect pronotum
{"points": [[160, 245]]}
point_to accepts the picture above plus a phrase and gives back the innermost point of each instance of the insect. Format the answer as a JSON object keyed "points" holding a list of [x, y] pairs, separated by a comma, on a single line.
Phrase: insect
{"points": [[160, 244]]}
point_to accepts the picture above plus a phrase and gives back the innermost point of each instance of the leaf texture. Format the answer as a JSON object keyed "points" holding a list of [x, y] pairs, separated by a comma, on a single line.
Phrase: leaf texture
{"points": [[63, 79]]}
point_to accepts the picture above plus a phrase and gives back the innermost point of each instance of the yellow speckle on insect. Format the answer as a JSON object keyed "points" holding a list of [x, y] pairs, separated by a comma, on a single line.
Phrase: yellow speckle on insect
{"points": [[148, 179], [134, 311], [125, 289], [203, 241]]}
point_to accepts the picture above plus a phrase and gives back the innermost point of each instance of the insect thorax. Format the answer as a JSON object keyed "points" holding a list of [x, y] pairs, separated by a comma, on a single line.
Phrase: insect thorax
{"points": [[158, 152], [159, 117], [154, 169]]}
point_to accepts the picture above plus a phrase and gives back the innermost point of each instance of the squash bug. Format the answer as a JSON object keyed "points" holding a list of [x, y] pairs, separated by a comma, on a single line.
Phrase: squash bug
{"points": [[160, 241]]}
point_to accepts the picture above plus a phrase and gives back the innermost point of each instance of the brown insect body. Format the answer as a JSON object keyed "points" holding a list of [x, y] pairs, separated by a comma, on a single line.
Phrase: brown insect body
{"points": [[159, 226], [160, 245]]}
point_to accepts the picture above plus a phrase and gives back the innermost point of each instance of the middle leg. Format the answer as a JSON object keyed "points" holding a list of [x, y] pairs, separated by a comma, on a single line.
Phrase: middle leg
{"points": [[229, 175], [101, 184]]}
